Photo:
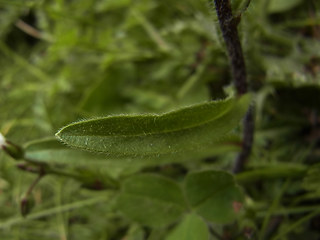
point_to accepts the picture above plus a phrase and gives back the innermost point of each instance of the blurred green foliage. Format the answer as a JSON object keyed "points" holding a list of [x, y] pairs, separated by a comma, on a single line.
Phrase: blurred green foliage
{"points": [[67, 60]]}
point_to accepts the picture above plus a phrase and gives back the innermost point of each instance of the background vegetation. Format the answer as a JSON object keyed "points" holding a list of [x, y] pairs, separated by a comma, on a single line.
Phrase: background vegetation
{"points": [[63, 61]]}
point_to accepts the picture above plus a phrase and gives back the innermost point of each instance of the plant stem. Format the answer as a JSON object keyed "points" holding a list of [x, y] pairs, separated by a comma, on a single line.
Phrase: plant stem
{"points": [[247, 141], [35, 182], [228, 24], [25, 203]]}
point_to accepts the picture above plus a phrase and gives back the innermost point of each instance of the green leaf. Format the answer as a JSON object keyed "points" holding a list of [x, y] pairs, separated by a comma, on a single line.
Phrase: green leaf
{"points": [[276, 6], [191, 228], [214, 195], [187, 130], [54, 153], [151, 200]]}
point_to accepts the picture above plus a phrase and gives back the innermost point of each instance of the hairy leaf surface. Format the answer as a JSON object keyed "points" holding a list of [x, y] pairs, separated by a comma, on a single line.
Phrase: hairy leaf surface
{"points": [[191, 129]]}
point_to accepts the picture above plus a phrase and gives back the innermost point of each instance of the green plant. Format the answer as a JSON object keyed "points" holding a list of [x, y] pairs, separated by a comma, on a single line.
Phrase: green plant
{"points": [[160, 126]]}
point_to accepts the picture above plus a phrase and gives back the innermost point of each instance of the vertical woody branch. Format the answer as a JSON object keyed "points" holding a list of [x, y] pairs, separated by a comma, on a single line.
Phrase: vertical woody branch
{"points": [[228, 25]]}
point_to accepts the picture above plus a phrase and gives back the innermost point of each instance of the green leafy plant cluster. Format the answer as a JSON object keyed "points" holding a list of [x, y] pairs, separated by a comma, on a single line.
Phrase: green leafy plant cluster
{"points": [[140, 96]]}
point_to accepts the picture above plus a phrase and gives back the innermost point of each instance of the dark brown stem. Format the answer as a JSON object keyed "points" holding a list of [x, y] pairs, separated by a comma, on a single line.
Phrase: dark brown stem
{"points": [[28, 168], [228, 24], [35, 182], [247, 141], [26, 201]]}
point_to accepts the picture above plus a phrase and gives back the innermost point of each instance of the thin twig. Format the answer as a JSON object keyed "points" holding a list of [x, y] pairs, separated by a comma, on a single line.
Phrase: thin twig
{"points": [[228, 24]]}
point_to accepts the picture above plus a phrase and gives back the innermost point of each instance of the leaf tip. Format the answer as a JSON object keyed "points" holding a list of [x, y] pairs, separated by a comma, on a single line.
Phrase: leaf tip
{"points": [[58, 135]]}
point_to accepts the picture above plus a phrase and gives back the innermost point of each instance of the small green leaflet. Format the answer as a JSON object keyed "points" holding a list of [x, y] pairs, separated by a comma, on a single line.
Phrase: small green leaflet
{"points": [[191, 228], [151, 200], [214, 195], [191, 130]]}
